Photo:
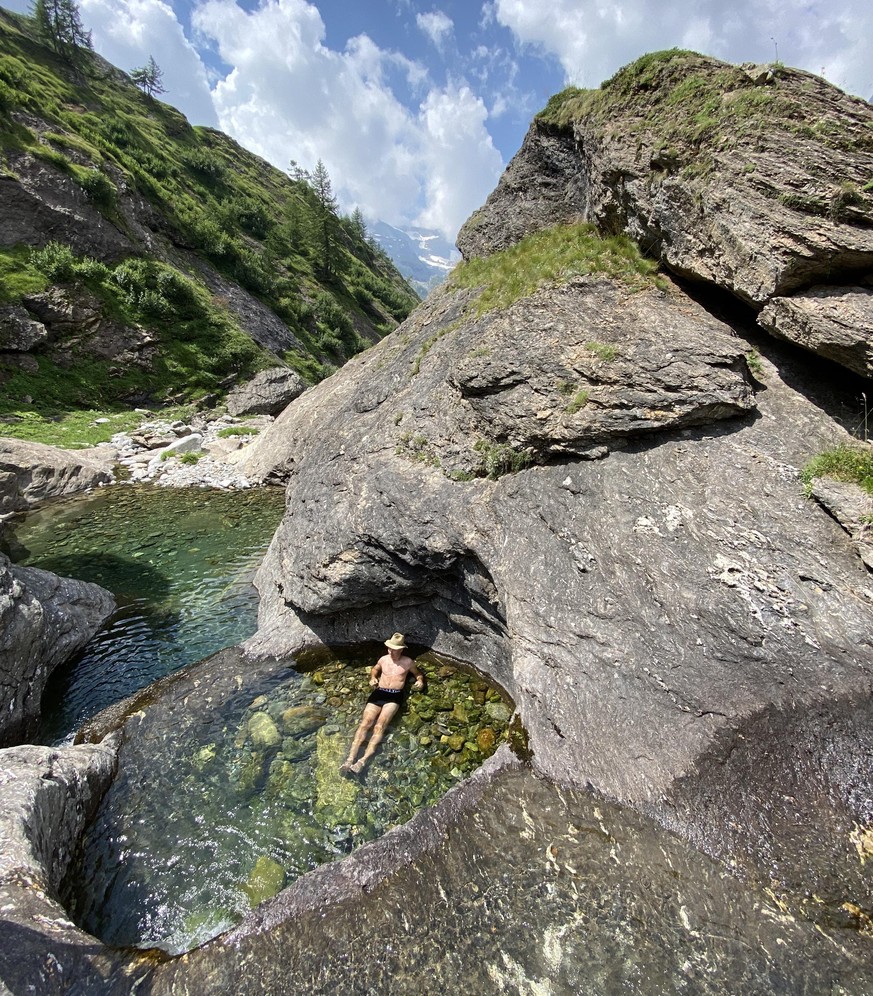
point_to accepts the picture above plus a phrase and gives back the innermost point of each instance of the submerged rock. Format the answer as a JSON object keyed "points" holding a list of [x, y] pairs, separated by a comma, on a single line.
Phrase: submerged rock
{"points": [[265, 881], [336, 801]]}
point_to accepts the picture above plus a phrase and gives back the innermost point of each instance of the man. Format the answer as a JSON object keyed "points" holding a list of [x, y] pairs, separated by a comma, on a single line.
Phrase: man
{"points": [[388, 681]]}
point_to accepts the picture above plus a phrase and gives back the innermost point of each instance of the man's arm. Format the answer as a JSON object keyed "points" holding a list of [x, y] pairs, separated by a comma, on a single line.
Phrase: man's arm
{"points": [[375, 671], [419, 676]]}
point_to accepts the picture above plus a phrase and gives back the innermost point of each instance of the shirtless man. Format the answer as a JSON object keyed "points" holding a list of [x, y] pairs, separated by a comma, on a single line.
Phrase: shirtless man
{"points": [[388, 681]]}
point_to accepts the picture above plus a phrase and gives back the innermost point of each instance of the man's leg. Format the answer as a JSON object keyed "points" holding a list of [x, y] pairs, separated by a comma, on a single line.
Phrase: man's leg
{"points": [[386, 714], [371, 711]]}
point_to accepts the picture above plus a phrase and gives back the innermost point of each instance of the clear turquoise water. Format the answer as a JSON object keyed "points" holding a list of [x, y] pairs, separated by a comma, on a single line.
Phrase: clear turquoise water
{"points": [[180, 563], [229, 788]]}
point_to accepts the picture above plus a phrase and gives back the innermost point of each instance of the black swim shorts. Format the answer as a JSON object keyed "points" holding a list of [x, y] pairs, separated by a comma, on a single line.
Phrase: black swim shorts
{"points": [[382, 696]]}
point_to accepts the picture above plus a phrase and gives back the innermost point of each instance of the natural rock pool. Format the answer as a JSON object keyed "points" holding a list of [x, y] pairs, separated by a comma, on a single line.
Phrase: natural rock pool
{"points": [[229, 788], [180, 563]]}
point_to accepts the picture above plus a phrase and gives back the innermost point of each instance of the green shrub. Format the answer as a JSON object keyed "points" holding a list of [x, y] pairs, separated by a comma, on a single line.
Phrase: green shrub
{"points": [[205, 165], [55, 261], [602, 351], [577, 402], [8, 96], [501, 458], [157, 290], [99, 188]]}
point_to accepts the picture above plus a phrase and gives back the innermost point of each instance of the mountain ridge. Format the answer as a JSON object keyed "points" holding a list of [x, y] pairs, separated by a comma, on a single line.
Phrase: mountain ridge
{"points": [[240, 265]]}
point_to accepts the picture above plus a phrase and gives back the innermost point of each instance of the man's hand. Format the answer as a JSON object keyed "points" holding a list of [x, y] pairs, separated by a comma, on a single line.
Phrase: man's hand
{"points": [[373, 682], [419, 684]]}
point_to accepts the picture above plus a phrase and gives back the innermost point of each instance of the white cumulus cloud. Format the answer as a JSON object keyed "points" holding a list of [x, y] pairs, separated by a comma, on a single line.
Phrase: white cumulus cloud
{"points": [[593, 38], [127, 32], [289, 96], [436, 25]]}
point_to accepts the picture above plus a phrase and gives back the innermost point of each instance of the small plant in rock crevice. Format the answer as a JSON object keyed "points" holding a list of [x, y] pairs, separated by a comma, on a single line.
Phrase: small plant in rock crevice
{"points": [[501, 458]]}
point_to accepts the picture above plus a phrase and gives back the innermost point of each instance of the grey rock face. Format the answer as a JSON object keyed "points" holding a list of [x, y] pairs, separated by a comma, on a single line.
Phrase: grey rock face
{"points": [[32, 472], [19, 331], [542, 186], [762, 210], [267, 393], [46, 798], [634, 606], [835, 322], [44, 619]]}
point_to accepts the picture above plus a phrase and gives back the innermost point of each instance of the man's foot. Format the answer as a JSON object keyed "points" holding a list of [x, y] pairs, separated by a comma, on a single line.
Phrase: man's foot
{"points": [[358, 766], [346, 768]]}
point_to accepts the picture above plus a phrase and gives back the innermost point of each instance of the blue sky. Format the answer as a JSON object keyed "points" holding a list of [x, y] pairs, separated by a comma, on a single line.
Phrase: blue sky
{"points": [[417, 107]]}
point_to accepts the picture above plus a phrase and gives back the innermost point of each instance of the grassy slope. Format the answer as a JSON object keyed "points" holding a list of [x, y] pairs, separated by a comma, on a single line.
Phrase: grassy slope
{"points": [[214, 199]]}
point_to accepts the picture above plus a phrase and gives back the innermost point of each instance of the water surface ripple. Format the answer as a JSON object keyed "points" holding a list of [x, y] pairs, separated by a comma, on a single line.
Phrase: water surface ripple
{"points": [[180, 563]]}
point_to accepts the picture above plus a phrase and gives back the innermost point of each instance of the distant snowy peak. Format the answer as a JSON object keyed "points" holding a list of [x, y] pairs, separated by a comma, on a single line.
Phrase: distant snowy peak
{"points": [[423, 256]]}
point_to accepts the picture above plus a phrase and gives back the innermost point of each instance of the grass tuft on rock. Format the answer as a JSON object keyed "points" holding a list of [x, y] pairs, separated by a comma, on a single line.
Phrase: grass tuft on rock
{"points": [[553, 256], [852, 463]]}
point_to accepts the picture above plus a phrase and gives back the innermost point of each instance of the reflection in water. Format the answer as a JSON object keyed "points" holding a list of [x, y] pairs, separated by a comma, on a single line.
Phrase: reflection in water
{"points": [[229, 789], [180, 563]]}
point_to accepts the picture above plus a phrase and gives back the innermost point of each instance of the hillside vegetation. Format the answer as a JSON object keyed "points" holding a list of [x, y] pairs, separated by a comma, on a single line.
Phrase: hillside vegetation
{"points": [[206, 262]]}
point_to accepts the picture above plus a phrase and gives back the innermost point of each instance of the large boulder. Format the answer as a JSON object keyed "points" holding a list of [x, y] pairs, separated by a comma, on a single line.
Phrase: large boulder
{"points": [[47, 796], [267, 393], [31, 472], [44, 619], [717, 171], [636, 606]]}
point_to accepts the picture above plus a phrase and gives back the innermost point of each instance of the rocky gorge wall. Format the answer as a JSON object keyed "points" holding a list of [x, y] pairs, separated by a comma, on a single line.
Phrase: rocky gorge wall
{"points": [[594, 492]]}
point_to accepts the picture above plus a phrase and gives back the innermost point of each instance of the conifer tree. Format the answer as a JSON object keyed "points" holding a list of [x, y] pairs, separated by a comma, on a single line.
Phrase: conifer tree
{"points": [[149, 77], [320, 183], [59, 25], [359, 226]]}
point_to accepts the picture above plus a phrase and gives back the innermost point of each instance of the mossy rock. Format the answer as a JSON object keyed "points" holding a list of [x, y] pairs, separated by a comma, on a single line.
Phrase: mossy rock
{"points": [[203, 757], [265, 881], [300, 720], [263, 731], [486, 739]]}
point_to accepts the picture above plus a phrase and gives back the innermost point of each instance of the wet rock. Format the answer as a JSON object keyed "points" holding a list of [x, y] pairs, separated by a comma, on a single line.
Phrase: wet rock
{"points": [[265, 880], [336, 801], [44, 620], [204, 757], [263, 731], [486, 739], [498, 711]]}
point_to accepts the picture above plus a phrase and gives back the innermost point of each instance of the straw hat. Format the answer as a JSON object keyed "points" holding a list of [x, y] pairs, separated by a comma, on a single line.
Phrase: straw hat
{"points": [[396, 642]]}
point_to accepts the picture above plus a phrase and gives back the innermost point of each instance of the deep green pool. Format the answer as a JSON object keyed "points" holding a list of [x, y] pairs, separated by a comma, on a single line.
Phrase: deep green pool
{"points": [[180, 563]]}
